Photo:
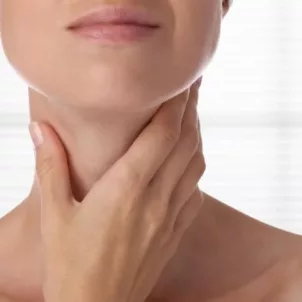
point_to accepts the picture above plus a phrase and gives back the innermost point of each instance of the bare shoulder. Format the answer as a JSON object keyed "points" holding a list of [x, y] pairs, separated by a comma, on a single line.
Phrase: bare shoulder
{"points": [[288, 284], [281, 283]]}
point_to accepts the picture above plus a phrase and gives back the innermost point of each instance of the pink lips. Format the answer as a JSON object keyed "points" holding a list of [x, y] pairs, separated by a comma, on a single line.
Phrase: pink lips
{"points": [[115, 24]]}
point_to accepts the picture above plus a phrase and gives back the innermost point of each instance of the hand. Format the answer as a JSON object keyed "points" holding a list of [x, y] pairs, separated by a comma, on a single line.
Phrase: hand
{"points": [[114, 244]]}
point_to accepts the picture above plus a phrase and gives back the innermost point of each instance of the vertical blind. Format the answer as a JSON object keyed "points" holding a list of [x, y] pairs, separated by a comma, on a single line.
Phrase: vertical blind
{"points": [[250, 109]]}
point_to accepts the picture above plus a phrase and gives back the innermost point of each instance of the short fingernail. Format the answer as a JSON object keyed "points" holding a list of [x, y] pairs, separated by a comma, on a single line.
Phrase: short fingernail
{"points": [[198, 82], [36, 134]]}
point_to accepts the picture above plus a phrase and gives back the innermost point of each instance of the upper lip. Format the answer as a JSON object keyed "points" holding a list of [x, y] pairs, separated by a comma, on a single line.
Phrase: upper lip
{"points": [[116, 15]]}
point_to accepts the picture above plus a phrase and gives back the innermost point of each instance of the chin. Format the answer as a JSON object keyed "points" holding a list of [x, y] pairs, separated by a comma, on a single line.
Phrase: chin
{"points": [[112, 92], [116, 96], [109, 86], [121, 89]]}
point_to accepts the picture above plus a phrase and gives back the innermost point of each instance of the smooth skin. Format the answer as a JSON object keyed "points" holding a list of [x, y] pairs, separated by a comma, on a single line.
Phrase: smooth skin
{"points": [[98, 100], [141, 206]]}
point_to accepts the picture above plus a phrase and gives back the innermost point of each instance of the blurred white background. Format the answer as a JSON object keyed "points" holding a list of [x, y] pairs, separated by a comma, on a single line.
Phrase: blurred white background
{"points": [[250, 109]]}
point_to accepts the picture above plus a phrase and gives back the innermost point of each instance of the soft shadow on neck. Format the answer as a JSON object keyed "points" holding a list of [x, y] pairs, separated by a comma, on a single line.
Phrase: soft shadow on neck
{"points": [[93, 139], [222, 250]]}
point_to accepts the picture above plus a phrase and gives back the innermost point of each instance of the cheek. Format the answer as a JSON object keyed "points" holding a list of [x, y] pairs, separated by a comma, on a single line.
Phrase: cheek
{"points": [[31, 43], [197, 32], [19, 33], [1, 10]]}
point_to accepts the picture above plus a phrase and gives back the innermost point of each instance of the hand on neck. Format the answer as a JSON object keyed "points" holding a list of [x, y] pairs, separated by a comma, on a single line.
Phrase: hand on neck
{"points": [[93, 140], [221, 239]]}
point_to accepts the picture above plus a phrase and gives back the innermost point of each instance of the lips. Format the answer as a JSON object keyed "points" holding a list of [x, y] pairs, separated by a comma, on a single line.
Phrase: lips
{"points": [[118, 15]]}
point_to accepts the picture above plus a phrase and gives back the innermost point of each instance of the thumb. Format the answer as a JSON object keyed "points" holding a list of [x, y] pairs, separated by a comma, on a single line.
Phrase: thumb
{"points": [[51, 169]]}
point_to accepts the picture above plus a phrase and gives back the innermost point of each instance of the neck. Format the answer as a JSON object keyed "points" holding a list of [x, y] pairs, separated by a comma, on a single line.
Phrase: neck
{"points": [[93, 142], [220, 239]]}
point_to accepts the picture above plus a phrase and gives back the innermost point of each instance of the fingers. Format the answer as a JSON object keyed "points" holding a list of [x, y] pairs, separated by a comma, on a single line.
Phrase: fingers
{"points": [[51, 169], [173, 168], [185, 187], [187, 184], [155, 143]]}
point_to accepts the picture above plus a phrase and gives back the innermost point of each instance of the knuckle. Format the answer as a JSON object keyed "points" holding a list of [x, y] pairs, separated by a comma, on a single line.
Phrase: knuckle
{"points": [[155, 217], [192, 136], [203, 163], [152, 230], [45, 166], [152, 226], [184, 217], [200, 164], [129, 174], [162, 211], [160, 215], [170, 135]]}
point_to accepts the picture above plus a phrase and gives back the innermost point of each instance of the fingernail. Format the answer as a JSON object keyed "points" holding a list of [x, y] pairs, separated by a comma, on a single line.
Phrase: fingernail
{"points": [[198, 82], [36, 134]]}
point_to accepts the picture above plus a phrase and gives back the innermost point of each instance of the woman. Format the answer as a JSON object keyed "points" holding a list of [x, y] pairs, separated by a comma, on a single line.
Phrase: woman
{"points": [[98, 96]]}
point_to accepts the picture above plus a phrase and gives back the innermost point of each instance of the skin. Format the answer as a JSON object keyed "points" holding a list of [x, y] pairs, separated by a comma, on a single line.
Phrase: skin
{"points": [[140, 224], [111, 101], [224, 255]]}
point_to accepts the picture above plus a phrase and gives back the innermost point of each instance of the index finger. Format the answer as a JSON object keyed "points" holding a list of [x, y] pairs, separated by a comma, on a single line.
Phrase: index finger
{"points": [[157, 140]]}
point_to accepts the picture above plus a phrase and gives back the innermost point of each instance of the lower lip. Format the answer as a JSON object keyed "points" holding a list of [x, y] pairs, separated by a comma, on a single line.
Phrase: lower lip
{"points": [[115, 33]]}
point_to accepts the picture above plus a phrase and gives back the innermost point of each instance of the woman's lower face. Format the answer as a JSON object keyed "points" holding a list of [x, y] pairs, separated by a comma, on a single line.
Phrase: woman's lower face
{"points": [[81, 72]]}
